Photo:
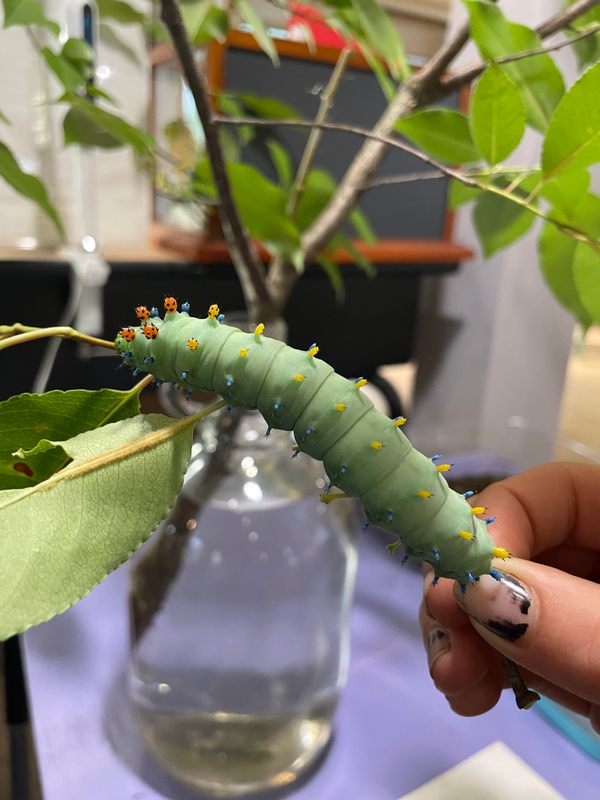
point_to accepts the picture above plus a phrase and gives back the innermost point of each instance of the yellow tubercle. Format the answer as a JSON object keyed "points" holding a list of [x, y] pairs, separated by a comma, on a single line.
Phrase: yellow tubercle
{"points": [[443, 467], [360, 383], [376, 445], [400, 421], [192, 344], [260, 329], [313, 351], [298, 377], [340, 406], [243, 352], [478, 510], [213, 311], [467, 535], [425, 494], [329, 497], [500, 552]]}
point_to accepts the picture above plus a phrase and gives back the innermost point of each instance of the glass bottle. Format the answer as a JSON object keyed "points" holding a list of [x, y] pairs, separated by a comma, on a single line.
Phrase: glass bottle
{"points": [[240, 612]]}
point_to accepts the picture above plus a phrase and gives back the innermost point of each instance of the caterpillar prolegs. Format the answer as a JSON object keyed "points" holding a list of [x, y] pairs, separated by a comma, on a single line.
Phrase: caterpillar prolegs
{"points": [[364, 453]]}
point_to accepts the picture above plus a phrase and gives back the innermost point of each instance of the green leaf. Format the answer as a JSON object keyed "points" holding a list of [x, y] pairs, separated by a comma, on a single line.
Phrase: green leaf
{"points": [[27, 12], [459, 193], [282, 161], [249, 15], [360, 260], [334, 273], [586, 272], [79, 129], [362, 226], [587, 50], [89, 125], [556, 251], [119, 11], [73, 66], [5, 119], [496, 115], [110, 38], [28, 185], [319, 187], [382, 36], [262, 206], [538, 78], [56, 548], [205, 22], [442, 133], [24, 419], [268, 107], [499, 222], [572, 141], [566, 191]]}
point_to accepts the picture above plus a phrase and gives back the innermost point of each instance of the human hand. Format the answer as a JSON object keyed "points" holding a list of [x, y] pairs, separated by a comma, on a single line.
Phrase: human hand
{"points": [[544, 613]]}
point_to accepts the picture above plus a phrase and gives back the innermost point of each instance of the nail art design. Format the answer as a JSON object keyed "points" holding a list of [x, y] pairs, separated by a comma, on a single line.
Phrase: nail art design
{"points": [[500, 603]]}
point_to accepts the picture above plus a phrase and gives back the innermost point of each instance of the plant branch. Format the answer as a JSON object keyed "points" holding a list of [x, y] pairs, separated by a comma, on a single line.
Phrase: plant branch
{"points": [[564, 18], [342, 127], [248, 266], [419, 90], [411, 177], [282, 274], [469, 74], [314, 138], [11, 335], [390, 141]]}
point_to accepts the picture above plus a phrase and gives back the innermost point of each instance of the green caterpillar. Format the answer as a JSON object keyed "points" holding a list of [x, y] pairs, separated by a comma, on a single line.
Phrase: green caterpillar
{"points": [[364, 452]]}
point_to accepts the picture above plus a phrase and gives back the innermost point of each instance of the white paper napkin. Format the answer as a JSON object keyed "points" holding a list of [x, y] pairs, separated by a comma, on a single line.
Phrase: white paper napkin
{"points": [[494, 773]]}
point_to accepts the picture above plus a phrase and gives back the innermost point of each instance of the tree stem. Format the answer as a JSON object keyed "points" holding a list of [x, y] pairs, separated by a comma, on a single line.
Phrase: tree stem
{"points": [[11, 335], [245, 259]]}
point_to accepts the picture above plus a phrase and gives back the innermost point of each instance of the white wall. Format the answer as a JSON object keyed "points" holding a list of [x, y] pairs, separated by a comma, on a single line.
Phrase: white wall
{"points": [[494, 343], [36, 137]]}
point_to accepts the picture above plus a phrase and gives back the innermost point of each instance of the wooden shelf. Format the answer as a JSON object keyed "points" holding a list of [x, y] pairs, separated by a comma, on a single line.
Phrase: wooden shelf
{"points": [[385, 251]]}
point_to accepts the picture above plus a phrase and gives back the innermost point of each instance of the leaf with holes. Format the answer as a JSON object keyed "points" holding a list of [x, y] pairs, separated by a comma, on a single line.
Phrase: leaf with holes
{"points": [[62, 537], [55, 415]]}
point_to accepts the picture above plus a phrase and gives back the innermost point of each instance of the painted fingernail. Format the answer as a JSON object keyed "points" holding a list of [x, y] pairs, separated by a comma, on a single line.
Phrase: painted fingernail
{"points": [[438, 643], [502, 604]]}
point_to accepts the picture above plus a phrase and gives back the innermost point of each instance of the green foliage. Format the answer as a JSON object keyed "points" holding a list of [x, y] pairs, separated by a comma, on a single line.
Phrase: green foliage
{"points": [[586, 271], [499, 222], [28, 186], [205, 22], [538, 78], [572, 141], [249, 15], [73, 65], [55, 415], [442, 133], [496, 115], [588, 49], [27, 12], [51, 557], [459, 194], [88, 125], [121, 12], [572, 205], [282, 162], [367, 23]]}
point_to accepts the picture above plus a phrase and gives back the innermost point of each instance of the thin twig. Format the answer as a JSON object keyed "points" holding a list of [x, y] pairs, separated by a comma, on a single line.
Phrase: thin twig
{"points": [[469, 74], [248, 266], [314, 138], [7, 339], [411, 177], [282, 274], [564, 18]]}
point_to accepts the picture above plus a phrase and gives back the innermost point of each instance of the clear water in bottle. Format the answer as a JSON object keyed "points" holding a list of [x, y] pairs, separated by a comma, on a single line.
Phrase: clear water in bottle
{"points": [[236, 680]]}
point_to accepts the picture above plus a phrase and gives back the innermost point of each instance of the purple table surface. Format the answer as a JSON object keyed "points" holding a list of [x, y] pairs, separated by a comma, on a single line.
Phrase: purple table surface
{"points": [[394, 731]]}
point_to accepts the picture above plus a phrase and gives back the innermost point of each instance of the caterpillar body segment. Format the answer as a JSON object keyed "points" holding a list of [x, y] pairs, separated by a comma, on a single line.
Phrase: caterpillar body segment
{"points": [[364, 453]]}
